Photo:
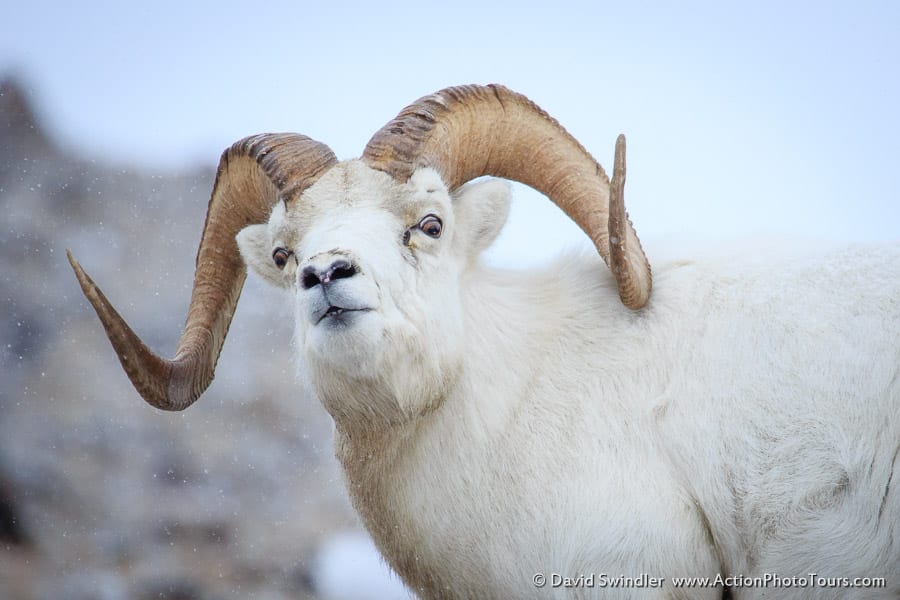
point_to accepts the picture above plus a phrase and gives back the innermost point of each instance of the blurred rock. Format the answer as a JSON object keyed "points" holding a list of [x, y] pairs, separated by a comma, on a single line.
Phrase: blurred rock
{"points": [[12, 530], [102, 496], [19, 124]]}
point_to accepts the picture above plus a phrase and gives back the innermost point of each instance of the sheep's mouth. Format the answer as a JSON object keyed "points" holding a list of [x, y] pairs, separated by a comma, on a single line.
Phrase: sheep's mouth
{"points": [[337, 313]]}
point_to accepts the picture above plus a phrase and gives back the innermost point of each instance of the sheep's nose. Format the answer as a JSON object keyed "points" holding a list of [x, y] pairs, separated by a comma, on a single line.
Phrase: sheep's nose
{"points": [[313, 275]]}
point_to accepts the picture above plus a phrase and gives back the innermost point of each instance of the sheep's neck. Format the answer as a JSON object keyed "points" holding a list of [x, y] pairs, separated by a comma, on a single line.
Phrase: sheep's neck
{"points": [[389, 466]]}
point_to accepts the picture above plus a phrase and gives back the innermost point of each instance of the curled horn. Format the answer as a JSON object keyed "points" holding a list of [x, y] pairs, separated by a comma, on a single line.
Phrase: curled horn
{"points": [[253, 175], [469, 131]]}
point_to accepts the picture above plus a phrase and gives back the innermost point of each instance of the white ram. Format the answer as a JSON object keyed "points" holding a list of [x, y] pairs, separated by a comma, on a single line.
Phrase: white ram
{"points": [[497, 427]]}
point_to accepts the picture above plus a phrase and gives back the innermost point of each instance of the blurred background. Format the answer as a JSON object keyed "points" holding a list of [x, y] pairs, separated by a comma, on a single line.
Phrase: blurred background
{"points": [[759, 120]]}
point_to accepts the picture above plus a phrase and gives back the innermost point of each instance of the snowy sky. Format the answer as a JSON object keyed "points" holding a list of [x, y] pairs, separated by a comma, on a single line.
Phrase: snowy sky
{"points": [[758, 117]]}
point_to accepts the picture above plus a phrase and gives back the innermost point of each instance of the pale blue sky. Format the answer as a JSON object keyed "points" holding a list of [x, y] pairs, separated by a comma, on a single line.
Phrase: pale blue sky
{"points": [[763, 117]]}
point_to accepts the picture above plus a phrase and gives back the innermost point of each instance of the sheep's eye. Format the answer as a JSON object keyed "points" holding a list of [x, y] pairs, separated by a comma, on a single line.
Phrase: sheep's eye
{"points": [[431, 226], [281, 256]]}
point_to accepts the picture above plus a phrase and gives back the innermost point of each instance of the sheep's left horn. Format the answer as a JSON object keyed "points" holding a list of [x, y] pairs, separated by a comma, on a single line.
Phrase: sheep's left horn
{"points": [[469, 131], [253, 175]]}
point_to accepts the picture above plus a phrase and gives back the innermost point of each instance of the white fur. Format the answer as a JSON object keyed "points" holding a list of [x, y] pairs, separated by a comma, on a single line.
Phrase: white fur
{"points": [[497, 424]]}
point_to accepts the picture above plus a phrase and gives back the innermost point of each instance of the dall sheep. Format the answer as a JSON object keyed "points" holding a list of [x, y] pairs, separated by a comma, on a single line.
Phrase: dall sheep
{"points": [[496, 427]]}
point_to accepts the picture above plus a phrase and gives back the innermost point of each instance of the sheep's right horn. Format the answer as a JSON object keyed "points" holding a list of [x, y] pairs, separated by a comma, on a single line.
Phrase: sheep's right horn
{"points": [[253, 175], [468, 131]]}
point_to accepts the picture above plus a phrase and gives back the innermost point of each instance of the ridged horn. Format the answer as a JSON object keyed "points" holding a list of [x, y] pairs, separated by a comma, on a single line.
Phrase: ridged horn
{"points": [[468, 131], [253, 175]]}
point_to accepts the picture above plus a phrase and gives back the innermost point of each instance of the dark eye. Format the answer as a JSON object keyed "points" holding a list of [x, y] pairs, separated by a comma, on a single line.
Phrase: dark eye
{"points": [[431, 226], [281, 256]]}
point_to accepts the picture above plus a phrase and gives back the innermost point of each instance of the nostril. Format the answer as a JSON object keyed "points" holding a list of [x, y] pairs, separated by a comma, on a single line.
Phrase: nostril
{"points": [[341, 269], [309, 278]]}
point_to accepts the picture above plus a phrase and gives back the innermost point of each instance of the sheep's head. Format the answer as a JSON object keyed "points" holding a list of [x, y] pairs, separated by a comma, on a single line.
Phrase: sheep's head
{"points": [[373, 248], [374, 266]]}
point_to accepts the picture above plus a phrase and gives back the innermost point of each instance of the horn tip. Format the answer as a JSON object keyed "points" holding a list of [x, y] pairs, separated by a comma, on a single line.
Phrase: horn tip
{"points": [[619, 158], [72, 260], [83, 279]]}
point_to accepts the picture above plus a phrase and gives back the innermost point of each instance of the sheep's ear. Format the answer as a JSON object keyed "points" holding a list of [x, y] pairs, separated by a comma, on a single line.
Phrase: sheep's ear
{"points": [[481, 209], [255, 244]]}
